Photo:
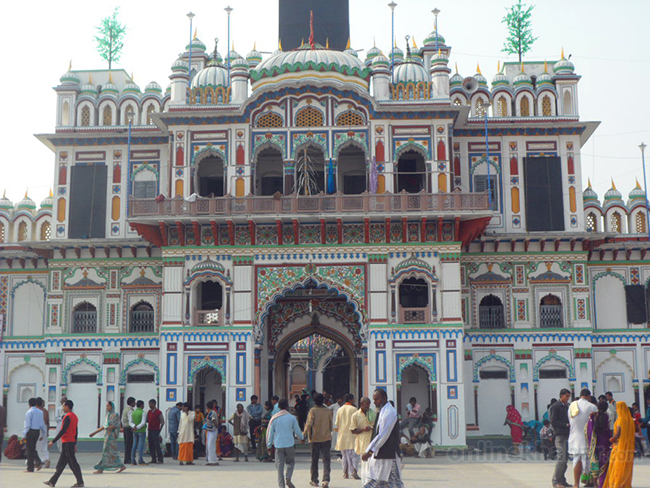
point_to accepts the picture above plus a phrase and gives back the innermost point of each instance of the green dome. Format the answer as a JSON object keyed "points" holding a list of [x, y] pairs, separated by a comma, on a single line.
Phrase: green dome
{"points": [[70, 78], [5, 203], [431, 39], [196, 45], [26, 204]]}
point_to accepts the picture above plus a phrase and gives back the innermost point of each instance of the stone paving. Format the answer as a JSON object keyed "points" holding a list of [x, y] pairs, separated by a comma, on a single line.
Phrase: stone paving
{"points": [[443, 471]]}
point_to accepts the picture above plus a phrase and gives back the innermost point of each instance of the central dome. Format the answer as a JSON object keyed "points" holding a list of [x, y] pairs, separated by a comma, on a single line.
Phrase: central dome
{"points": [[306, 63]]}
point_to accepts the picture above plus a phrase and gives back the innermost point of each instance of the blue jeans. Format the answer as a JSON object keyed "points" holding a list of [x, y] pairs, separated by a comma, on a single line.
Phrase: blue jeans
{"points": [[139, 439], [173, 440]]}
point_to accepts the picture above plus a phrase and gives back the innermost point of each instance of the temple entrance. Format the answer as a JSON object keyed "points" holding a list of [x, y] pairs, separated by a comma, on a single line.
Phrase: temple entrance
{"points": [[207, 386], [313, 342]]}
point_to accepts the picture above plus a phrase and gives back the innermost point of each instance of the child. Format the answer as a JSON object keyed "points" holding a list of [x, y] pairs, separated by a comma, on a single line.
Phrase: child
{"points": [[547, 440]]}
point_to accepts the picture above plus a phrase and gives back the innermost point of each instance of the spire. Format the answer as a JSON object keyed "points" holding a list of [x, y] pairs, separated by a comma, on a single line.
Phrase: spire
{"points": [[637, 184], [70, 66], [90, 78], [52, 194], [254, 45], [588, 182], [545, 67], [196, 29], [4, 193], [348, 45], [408, 48], [280, 44], [613, 184], [456, 64], [499, 66], [26, 192], [327, 43], [302, 42], [562, 55], [374, 44], [312, 39], [110, 77], [478, 69], [132, 77], [522, 67], [415, 46], [233, 46]]}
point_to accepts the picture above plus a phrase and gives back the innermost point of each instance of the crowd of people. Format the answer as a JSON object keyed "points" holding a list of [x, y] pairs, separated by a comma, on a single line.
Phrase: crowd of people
{"points": [[370, 441], [601, 435]]}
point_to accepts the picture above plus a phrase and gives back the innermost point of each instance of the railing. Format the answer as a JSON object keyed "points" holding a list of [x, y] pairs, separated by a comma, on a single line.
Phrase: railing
{"points": [[550, 316], [491, 317], [84, 322], [142, 321], [209, 318], [414, 315], [319, 204]]}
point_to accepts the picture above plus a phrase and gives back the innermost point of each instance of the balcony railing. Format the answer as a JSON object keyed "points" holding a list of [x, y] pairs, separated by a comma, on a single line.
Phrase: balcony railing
{"points": [[142, 321], [491, 317], [320, 204], [550, 316], [415, 316], [84, 322], [209, 318]]}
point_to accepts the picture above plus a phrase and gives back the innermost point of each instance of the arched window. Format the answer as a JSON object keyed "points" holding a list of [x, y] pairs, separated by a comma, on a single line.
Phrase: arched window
{"points": [[150, 110], [46, 231], [270, 120], [592, 222], [615, 223], [65, 114], [480, 108], [107, 117], [309, 117], [142, 318], [568, 103], [129, 114], [22, 232], [2, 232], [349, 119], [457, 101], [546, 106], [550, 312], [524, 107], [209, 303], [414, 301], [84, 319], [490, 312], [502, 107], [640, 223], [85, 116]]}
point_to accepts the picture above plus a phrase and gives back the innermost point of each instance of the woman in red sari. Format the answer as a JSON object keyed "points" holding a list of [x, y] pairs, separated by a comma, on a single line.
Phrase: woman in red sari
{"points": [[513, 419]]}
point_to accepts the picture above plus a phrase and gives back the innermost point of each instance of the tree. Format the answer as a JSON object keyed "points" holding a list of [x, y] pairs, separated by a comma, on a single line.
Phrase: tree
{"points": [[109, 38], [520, 34]]}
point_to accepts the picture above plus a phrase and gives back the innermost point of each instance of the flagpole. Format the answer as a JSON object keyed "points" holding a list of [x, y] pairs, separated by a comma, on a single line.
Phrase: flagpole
{"points": [[228, 10]]}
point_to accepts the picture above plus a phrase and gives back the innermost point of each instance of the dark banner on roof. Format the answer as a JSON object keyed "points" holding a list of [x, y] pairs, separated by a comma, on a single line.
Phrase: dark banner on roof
{"points": [[331, 22]]}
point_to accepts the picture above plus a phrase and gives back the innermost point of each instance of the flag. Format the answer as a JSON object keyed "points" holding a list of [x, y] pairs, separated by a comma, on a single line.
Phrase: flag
{"points": [[374, 177], [312, 42], [331, 184]]}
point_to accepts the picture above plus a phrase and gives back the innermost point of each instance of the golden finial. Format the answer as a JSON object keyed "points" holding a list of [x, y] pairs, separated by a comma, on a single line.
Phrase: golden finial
{"points": [[233, 46], [51, 194], [327, 43], [439, 52], [348, 45], [613, 184], [562, 55], [588, 182], [70, 66], [478, 69], [254, 45], [499, 66], [132, 77], [90, 78], [395, 42], [522, 67], [456, 64], [415, 46], [110, 77], [196, 29], [280, 44], [637, 183], [374, 42], [26, 192], [545, 67], [302, 43]]}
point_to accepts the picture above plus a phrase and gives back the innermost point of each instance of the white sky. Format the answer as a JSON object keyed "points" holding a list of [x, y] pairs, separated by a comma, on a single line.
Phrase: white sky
{"points": [[606, 40]]}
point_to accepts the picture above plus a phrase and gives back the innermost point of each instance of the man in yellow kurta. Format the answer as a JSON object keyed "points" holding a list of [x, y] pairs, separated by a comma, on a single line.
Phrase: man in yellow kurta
{"points": [[346, 439], [362, 429]]}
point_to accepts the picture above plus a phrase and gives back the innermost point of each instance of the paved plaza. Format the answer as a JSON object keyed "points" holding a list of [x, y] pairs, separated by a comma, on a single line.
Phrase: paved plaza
{"points": [[444, 471]]}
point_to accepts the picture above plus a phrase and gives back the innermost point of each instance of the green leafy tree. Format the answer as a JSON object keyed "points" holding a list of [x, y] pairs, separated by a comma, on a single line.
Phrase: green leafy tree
{"points": [[520, 34], [109, 39]]}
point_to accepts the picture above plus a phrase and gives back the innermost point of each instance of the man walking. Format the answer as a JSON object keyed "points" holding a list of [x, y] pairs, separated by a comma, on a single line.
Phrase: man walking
{"points": [[255, 411], [334, 407], [68, 436], [579, 413], [33, 431], [155, 423], [318, 431], [41, 445], [138, 424], [128, 431], [382, 452], [362, 429], [173, 422], [283, 429], [58, 417], [559, 416], [345, 440]]}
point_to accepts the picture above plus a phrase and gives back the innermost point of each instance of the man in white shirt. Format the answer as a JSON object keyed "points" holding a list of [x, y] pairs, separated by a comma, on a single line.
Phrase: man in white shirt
{"points": [[58, 416], [334, 407], [579, 412]]}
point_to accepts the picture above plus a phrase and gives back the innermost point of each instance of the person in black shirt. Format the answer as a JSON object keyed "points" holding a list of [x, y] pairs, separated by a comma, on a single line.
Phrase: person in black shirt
{"points": [[559, 417]]}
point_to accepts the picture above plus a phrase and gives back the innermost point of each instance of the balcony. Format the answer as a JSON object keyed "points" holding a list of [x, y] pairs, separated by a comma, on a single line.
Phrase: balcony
{"points": [[208, 318], [292, 205], [414, 316]]}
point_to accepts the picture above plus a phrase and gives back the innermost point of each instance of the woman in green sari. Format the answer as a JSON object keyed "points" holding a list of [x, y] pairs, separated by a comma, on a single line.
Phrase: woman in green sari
{"points": [[262, 451], [110, 456]]}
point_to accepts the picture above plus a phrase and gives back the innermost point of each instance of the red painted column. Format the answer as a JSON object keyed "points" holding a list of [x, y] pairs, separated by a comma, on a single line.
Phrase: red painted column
{"points": [[339, 230], [181, 232], [387, 231], [423, 230], [215, 232], [197, 233], [231, 232], [323, 231], [278, 227], [366, 230], [404, 236], [457, 229], [296, 232], [439, 229], [251, 231]]}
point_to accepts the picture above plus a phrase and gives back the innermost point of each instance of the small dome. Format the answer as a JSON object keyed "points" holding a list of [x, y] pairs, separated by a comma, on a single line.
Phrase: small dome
{"points": [[397, 55], [637, 193], [439, 57], [479, 76], [351, 52], [432, 38], [89, 89], [26, 203], [5, 203], [417, 58], [254, 58], [563, 66], [70, 78], [213, 75], [180, 65], [109, 89], [168, 90], [613, 194], [589, 194], [131, 87], [545, 79], [240, 63], [500, 79], [372, 53], [522, 79], [380, 61], [456, 80], [234, 55], [48, 202], [153, 87], [410, 71], [196, 45]]}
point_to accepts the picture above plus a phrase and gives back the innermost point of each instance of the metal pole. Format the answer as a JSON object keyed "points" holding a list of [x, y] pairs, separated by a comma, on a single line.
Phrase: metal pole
{"points": [[228, 10], [435, 14], [189, 70], [642, 146], [487, 158], [392, 6]]}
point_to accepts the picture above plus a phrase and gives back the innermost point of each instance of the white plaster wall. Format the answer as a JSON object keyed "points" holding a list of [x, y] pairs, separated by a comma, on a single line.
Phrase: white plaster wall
{"points": [[493, 398], [610, 303], [26, 375], [547, 389], [28, 312], [85, 398]]}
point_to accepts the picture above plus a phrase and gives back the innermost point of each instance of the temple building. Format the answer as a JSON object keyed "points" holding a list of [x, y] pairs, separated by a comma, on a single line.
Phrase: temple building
{"points": [[327, 219]]}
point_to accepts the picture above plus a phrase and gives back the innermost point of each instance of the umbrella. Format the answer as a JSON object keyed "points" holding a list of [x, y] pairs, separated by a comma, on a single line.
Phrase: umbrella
{"points": [[374, 178]]}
